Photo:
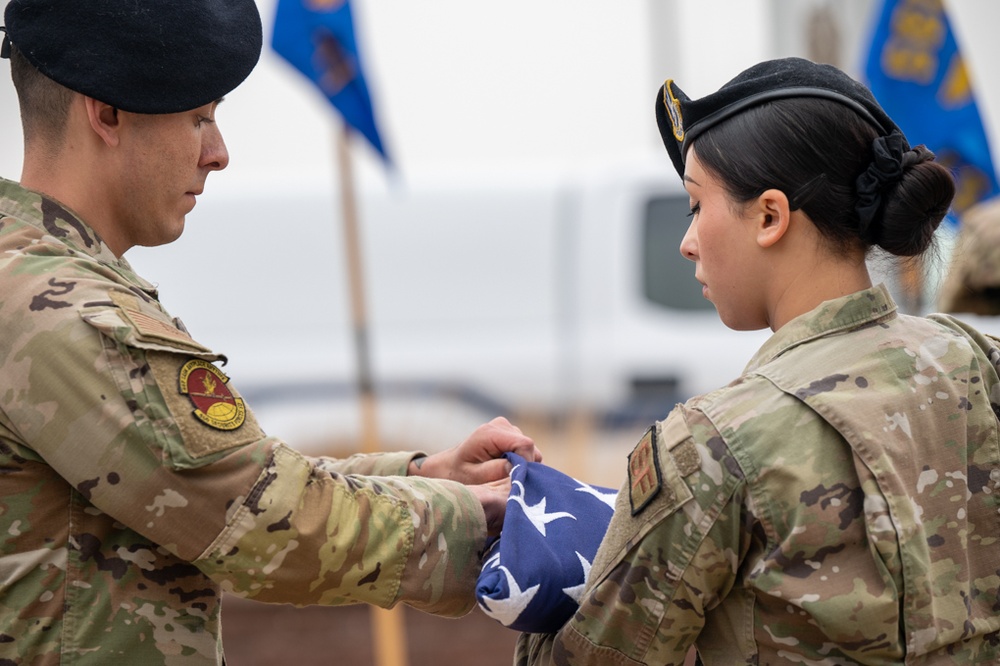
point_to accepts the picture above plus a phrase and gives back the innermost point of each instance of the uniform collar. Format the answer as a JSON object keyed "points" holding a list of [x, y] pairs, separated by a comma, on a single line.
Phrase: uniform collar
{"points": [[62, 225], [846, 313]]}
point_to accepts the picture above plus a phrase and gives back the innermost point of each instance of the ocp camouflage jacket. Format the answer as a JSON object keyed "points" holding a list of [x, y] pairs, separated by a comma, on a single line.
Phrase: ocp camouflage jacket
{"points": [[136, 485], [837, 504]]}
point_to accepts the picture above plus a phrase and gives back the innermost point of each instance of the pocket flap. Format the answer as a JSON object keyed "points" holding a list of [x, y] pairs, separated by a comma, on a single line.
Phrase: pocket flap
{"points": [[135, 323]]}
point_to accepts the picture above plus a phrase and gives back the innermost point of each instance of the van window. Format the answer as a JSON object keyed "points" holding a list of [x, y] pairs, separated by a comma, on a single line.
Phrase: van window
{"points": [[667, 277]]}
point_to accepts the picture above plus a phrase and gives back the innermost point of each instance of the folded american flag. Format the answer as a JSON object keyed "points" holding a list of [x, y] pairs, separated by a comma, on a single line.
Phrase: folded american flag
{"points": [[535, 572]]}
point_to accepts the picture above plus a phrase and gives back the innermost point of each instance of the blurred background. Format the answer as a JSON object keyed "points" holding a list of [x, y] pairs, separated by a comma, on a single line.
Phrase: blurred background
{"points": [[518, 254]]}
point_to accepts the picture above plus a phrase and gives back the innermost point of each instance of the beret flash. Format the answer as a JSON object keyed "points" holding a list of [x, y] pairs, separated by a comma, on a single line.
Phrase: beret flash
{"points": [[681, 119], [142, 56]]}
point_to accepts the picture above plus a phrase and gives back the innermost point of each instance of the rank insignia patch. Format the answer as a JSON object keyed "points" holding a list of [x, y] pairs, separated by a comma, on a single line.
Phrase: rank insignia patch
{"points": [[644, 472], [215, 405]]}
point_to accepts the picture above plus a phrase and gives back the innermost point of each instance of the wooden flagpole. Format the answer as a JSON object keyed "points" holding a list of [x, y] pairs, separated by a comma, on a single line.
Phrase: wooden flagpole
{"points": [[388, 629]]}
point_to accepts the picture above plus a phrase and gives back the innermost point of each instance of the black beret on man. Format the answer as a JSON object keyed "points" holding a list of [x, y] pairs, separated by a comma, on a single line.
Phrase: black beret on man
{"points": [[681, 119], [141, 56]]}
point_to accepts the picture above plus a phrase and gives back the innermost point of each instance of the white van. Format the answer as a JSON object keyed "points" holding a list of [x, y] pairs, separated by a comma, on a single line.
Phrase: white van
{"points": [[534, 296]]}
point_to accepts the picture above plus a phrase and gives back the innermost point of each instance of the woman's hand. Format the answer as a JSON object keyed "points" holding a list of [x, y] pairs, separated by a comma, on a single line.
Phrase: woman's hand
{"points": [[493, 496]]}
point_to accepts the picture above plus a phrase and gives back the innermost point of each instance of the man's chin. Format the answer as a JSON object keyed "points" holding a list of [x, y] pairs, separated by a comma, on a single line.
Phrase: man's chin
{"points": [[168, 236]]}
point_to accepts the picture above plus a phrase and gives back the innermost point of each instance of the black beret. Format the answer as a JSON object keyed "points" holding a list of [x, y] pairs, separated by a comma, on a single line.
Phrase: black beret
{"points": [[681, 119], [142, 56]]}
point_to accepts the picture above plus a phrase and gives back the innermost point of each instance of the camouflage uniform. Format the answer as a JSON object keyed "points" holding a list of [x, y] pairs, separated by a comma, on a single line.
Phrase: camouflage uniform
{"points": [[972, 284], [837, 504], [135, 485]]}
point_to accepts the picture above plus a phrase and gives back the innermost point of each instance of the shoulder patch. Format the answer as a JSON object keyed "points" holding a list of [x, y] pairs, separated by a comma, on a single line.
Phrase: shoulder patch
{"points": [[214, 404], [209, 414], [644, 478]]}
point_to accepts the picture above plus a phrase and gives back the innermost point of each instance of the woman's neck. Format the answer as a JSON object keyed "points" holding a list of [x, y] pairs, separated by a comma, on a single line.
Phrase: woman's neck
{"points": [[809, 273]]}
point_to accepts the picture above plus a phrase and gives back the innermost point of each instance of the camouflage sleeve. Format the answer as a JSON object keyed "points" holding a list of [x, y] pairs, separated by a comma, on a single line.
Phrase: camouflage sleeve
{"points": [[306, 536], [390, 463], [134, 414], [671, 553]]}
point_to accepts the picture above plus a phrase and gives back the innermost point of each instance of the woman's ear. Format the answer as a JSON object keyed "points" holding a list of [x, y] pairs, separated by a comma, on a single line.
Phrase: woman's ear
{"points": [[771, 216]]}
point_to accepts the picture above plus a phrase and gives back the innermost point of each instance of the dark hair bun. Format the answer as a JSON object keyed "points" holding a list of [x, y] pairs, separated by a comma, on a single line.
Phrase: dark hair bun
{"points": [[914, 208]]}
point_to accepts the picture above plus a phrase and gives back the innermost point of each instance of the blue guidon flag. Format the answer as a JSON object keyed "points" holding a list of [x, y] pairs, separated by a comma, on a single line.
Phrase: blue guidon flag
{"points": [[916, 71], [317, 38], [534, 574]]}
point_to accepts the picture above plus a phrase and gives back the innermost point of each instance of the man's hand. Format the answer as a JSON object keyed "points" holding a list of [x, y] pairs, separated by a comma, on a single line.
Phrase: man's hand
{"points": [[478, 459]]}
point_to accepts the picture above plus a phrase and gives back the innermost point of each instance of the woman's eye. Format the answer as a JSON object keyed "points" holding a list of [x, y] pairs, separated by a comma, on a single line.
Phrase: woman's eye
{"points": [[695, 209]]}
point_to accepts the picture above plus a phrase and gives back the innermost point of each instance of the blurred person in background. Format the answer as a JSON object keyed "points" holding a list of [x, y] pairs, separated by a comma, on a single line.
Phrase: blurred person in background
{"points": [[838, 503], [135, 484], [972, 283]]}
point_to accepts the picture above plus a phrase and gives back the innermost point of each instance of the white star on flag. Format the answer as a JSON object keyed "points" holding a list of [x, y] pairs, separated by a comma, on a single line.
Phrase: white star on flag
{"points": [[536, 512], [576, 592], [506, 611], [608, 497]]}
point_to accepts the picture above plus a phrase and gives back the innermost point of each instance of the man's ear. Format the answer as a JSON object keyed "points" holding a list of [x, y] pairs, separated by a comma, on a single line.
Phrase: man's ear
{"points": [[772, 217], [104, 120]]}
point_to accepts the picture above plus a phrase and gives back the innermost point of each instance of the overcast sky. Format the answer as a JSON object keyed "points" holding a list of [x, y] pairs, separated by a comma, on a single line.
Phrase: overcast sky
{"points": [[463, 88], [460, 87]]}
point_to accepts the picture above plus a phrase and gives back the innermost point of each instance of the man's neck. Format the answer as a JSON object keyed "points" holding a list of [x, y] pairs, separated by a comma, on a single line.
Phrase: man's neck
{"points": [[68, 186]]}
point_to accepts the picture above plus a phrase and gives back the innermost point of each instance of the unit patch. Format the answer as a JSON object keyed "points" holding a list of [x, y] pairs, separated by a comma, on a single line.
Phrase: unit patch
{"points": [[215, 405], [644, 479]]}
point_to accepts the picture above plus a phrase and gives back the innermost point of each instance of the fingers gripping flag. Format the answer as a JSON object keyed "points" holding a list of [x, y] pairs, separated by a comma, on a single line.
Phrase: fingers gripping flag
{"points": [[534, 575], [317, 38]]}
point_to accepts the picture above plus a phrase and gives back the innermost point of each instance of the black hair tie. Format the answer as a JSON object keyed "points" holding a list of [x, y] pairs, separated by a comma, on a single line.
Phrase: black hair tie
{"points": [[892, 157], [5, 47]]}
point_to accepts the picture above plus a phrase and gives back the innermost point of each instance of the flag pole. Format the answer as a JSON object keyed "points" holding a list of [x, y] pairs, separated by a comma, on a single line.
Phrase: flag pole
{"points": [[355, 280], [388, 629]]}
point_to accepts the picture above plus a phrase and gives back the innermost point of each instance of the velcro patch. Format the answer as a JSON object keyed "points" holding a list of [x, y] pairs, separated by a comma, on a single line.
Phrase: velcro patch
{"points": [[644, 478], [686, 457]]}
